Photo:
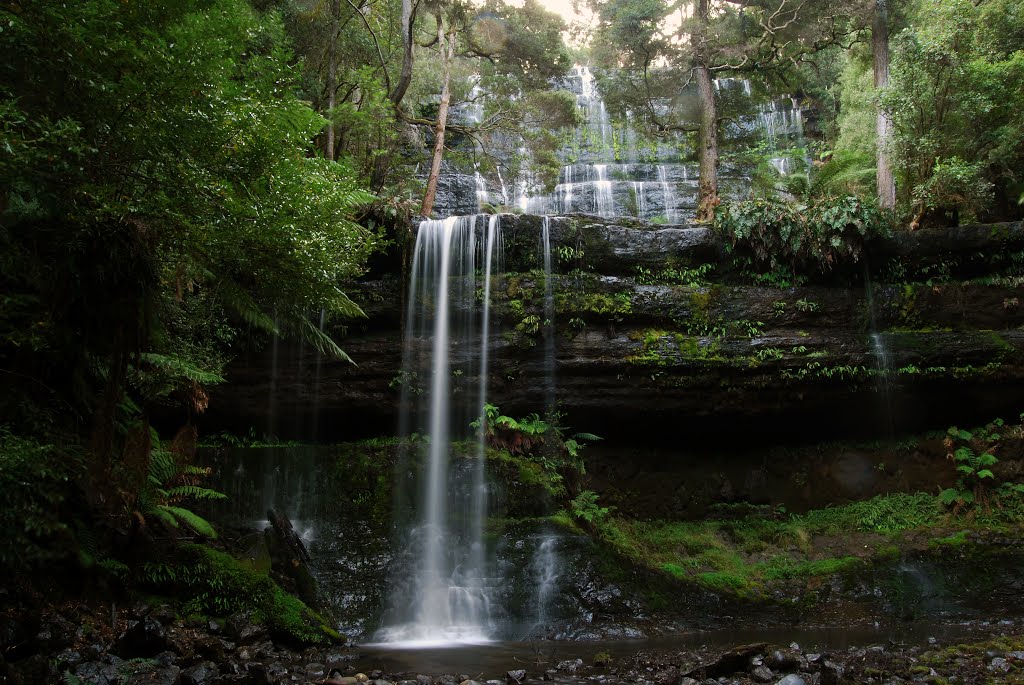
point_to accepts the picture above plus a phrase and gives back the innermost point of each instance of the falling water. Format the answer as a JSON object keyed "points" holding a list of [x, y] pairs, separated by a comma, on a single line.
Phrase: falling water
{"points": [[641, 199], [545, 574], [549, 322], [448, 596], [603, 203], [669, 195], [880, 352]]}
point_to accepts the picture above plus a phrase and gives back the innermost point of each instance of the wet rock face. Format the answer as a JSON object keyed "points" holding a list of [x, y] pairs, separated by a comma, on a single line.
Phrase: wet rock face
{"points": [[649, 353]]}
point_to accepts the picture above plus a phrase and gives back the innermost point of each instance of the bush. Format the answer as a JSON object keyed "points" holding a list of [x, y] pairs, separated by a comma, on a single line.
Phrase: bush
{"points": [[35, 480], [773, 235]]}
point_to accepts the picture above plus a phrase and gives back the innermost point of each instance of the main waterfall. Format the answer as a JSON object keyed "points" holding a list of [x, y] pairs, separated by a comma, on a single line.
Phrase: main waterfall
{"points": [[446, 592]]}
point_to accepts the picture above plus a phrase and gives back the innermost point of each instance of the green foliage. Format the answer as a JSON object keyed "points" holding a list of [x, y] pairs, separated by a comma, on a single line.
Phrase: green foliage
{"points": [[585, 508], [845, 173], [973, 455], [772, 234], [210, 582], [697, 277], [953, 184], [161, 192], [957, 82], [35, 482], [169, 483], [542, 445]]}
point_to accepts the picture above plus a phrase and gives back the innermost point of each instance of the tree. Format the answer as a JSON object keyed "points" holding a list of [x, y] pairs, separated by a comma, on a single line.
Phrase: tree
{"points": [[734, 38], [955, 95], [160, 193], [880, 50]]}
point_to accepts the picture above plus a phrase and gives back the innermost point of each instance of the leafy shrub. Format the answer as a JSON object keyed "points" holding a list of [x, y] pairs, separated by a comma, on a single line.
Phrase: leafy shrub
{"points": [[772, 235], [954, 187], [35, 480]]}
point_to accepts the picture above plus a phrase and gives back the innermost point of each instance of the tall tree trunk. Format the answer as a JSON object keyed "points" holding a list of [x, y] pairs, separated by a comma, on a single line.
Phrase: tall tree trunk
{"points": [[405, 78], [883, 125], [447, 48], [332, 78], [707, 153]]}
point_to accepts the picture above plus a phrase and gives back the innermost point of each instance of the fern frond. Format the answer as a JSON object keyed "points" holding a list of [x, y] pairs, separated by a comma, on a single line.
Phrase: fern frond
{"points": [[844, 170], [339, 304], [192, 520], [323, 342], [241, 302], [587, 436], [194, 492], [160, 511], [162, 467], [177, 366]]}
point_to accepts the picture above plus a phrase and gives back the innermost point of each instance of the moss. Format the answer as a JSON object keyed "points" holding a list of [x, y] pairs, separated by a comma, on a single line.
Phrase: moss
{"points": [[211, 582], [954, 541], [720, 581]]}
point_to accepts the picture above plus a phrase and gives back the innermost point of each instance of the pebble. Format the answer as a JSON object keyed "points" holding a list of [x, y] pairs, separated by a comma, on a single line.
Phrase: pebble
{"points": [[762, 674], [792, 679]]}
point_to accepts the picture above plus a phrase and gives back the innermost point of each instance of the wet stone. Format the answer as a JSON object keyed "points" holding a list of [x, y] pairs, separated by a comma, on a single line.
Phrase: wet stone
{"points": [[762, 674], [569, 666], [200, 674], [999, 664], [792, 679], [515, 677]]}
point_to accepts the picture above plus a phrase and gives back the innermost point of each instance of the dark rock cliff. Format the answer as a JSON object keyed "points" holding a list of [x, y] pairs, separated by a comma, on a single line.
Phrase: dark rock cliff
{"points": [[649, 349]]}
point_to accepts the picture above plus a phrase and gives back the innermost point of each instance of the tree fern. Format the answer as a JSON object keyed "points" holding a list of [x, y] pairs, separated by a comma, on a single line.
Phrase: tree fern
{"points": [[178, 366], [323, 342], [845, 172], [242, 303]]}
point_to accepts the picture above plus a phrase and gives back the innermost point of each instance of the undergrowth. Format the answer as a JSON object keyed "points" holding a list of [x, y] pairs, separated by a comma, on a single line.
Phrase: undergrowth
{"points": [[746, 556]]}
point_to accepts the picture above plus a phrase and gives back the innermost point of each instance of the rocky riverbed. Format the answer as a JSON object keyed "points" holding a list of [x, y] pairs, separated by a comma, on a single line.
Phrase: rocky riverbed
{"points": [[77, 644]]}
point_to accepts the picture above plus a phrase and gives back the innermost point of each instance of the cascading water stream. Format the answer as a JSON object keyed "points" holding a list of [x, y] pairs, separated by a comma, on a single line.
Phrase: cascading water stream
{"points": [[549, 321], [448, 597]]}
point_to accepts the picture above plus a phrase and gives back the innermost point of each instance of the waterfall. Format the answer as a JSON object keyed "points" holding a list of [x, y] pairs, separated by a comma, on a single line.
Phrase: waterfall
{"points": [[669, 195], [603, 202], [880, 352], [448, 596], [641, 199], [545, 574], [549, 322]]}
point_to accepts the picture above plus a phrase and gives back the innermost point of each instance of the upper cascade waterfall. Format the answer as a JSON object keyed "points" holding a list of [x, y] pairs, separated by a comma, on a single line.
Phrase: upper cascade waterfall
{"points": [[609, 170]]}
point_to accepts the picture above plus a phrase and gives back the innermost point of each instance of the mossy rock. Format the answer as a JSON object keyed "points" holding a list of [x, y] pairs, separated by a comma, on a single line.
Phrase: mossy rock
{"points": [[213, 583]]}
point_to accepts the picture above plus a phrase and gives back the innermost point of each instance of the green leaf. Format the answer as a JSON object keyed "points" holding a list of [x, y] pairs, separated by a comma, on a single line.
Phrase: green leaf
{"points": [[192, 520], [985, 473], [323, 342]]}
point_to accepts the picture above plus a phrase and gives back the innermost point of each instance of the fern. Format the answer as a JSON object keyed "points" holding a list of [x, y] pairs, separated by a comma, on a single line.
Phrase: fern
{"points": [[193, 492], [176, 366], [242, 303], [191, 519], [846, 172], [323, 342]]}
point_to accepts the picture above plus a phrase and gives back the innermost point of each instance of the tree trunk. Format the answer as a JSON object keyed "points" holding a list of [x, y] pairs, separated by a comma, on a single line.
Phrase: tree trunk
{"points": [[883, 125], [707, 152], [405, 78], [447, 48], [332, 78]]}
